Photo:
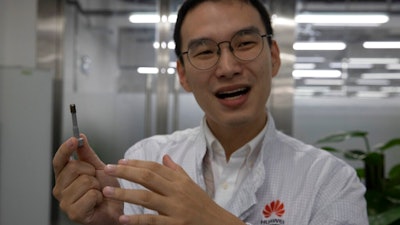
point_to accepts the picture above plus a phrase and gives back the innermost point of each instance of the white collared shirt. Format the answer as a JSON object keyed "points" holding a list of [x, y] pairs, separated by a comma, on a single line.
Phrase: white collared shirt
{"points": [[228, 175], [289, 183]]}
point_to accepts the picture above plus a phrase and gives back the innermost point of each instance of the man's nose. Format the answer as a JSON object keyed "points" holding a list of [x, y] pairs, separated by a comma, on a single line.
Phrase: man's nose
{"points": [[228, 64]]}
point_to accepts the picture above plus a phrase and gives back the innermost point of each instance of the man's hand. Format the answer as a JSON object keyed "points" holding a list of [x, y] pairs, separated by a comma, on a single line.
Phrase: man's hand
{"points": [[79, 183], [171, 192]]}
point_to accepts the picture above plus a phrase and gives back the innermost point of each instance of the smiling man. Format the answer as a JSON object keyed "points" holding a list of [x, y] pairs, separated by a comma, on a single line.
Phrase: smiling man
{"points": [[235, 168]]}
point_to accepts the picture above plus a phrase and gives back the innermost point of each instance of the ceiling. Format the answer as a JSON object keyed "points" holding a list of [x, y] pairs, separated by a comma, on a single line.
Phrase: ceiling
{"points": [[350, 83], [372, 80]]}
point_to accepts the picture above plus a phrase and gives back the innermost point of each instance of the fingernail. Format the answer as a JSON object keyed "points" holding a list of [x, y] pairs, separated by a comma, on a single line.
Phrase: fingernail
{"points": [[108, 191], [110, 168], [124, 219], [70, 143], [123, 161]]}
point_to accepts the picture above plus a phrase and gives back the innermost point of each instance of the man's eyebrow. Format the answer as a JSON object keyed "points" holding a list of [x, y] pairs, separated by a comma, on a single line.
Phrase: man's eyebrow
{"points": [[243, 30], [248, 29], [197, 41]]}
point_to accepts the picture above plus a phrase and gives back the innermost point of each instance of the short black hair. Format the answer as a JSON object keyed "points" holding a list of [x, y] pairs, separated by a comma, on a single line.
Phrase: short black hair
{"points": [[191, 4]]}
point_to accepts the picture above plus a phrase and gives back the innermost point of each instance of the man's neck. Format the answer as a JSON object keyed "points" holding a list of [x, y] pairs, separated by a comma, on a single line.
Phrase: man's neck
{"points": [[234, 137]]}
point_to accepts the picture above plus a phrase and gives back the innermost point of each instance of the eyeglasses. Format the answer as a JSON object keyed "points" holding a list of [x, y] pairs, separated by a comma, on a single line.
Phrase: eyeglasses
{"points": [[245, 45]]}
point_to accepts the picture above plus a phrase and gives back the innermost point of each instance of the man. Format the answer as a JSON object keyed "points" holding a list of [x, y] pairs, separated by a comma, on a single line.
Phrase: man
{"points": [[235, 168]]}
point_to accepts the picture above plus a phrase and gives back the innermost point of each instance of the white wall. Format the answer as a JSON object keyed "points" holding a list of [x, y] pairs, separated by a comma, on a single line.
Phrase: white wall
{"points": [[315, 118], [18, 33], [25, 119], [25, 143]]}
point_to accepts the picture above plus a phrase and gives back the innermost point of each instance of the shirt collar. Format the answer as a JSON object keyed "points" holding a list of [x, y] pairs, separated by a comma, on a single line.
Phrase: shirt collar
{"points": [[250, 150]]}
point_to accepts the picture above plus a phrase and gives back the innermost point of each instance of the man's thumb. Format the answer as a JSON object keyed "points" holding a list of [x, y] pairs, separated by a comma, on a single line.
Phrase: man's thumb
{"points": [[168, 162], [87, 154]]}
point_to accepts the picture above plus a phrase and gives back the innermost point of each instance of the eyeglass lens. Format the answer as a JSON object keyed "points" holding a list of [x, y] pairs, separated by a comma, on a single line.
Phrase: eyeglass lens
{"points": [[245, 45]]}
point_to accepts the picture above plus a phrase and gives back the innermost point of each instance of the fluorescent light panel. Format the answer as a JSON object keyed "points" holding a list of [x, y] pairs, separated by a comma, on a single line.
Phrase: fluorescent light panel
{"points": [[381, 82], [151, 18], [392, 76], [393, 67], [313, 89], [316, 74], [324, 82], [315, 59], [340, 65], [147, 70], [373, 60], [336, 19], [282, 21], [371, 94], [315, 46], [304, 66], [390, 89], [381, 44], [154, 70]]}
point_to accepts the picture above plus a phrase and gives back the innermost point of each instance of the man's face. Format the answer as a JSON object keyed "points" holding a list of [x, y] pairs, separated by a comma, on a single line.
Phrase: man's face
{"points": [[233, 93]]}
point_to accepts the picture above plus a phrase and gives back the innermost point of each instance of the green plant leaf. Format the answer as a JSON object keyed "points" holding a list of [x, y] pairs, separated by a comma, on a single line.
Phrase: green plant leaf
{"points": [[390, 144], [376, 202], [330, 149], [339, 137], [355, 154], [393, 192], [374, 158], [385, 218], [394, 173], [360, 173]]}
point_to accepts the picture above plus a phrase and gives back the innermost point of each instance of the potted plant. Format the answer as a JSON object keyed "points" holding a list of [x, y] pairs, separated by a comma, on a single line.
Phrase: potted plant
{"points": [[383, 192]]}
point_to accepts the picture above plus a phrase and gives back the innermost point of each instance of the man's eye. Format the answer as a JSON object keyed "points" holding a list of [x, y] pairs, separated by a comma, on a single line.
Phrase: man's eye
{"points": [[245, 44], [203, 53]]}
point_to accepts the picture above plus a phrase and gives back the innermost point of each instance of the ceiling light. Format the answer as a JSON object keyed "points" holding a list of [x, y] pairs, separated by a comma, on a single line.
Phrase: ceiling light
{"points": [[155, 70], [393, 66], [380, 82], [373, 60], [304, 66], [381, 44], [151, 18], [315, 59], [172, 64], [144, 18], [303, 93], [390, 89], [343, 65], [330, 19], [316, 74], [164, 45], [380, 76], [171, 71], [315, 46], [323, 82], [371, 94], [282, 21], [287, 57], [314, 88], [333, 93], [147, 70]]}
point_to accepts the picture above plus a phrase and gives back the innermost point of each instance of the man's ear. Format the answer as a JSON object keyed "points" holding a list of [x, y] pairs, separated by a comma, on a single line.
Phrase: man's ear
{"points": [[275, 58], [182, 76]]}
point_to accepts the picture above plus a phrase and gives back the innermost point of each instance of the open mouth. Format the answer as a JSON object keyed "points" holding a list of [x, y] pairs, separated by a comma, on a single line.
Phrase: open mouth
{"points": [[233, 93]]}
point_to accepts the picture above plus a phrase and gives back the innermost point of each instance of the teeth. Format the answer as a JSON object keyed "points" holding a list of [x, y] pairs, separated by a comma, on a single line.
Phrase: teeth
{"points": [[232, 94]]}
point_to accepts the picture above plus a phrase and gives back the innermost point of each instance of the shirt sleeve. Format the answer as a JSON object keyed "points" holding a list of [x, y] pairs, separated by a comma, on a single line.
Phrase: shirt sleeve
{"points": [[340, 200]]}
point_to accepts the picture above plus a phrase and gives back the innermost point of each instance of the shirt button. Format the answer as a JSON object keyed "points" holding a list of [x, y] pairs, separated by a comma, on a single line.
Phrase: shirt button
{"points": [[225, 186]]}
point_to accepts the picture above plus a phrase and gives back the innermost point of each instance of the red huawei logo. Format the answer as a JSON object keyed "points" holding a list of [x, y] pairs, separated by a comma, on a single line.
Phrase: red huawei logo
{"points": [[276, 207]]}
